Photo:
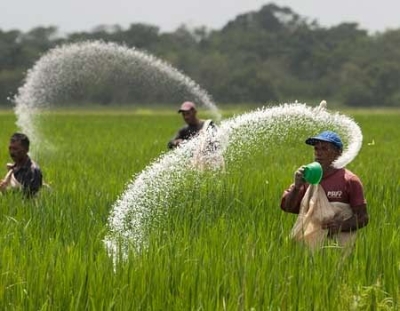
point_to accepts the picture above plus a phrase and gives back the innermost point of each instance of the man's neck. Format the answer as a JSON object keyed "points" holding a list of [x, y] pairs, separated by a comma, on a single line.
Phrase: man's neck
{"points": [[21, 162], [330, 170], [195, 122]]}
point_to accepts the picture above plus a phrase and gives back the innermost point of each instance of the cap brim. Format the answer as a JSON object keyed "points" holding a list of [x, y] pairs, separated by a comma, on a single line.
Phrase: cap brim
{"points": [[313, 140]]}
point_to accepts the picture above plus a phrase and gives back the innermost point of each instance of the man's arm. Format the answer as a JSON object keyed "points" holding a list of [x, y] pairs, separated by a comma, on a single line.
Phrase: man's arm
{"points": [[358, 220], [173, 143], [179, 137], [6, 180], [292, 197]]}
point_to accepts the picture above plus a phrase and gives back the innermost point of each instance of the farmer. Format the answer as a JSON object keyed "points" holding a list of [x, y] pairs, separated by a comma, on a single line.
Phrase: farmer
{"points": [[24, 174], [193, 125], [342, 189]]}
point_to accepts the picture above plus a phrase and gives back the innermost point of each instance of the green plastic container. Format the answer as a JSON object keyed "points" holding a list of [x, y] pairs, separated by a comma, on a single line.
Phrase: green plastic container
{"points": [[313, 173]]}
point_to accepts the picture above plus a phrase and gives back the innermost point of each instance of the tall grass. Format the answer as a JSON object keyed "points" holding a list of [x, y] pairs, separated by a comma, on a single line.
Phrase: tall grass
{"points": [[220, 242]]}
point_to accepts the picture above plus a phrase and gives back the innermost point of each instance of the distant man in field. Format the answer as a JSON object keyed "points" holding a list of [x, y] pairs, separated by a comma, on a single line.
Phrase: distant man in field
{"points": [[207, 153], [335, 208], [24, 174], [193, 125]]}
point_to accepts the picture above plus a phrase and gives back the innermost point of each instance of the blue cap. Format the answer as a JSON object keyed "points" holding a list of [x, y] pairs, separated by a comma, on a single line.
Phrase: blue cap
{"points": [[328, 136]]}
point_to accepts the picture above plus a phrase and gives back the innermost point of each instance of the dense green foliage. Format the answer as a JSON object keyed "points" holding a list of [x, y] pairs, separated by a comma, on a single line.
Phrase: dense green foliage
{"points": [[269, 56], [223, 242]]}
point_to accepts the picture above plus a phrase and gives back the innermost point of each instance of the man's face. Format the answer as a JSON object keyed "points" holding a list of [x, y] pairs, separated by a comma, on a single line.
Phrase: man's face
{"points": [[17, 151], [325, 153], [189, 116]]}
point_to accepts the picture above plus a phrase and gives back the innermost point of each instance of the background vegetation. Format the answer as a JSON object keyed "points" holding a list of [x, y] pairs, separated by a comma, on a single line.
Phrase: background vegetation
{"points": [[267, 56], [222, 245]]}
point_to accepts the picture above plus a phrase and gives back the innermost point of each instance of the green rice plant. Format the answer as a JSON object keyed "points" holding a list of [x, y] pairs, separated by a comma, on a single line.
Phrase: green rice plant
{"points": [[220, 242]]}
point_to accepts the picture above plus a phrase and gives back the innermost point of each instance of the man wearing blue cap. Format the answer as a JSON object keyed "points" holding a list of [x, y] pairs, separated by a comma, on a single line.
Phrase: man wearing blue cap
{"points": [[341, 186]]}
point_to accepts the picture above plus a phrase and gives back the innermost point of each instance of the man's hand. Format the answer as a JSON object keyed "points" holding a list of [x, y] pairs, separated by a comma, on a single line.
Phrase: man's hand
{"points": [[333, 225], [177, 142], [299, 177], [3, 185]]}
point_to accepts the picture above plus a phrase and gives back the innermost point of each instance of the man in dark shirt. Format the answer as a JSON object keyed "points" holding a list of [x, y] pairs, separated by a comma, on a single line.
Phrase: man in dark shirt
{"points": [[24, 173], [193, 127]]}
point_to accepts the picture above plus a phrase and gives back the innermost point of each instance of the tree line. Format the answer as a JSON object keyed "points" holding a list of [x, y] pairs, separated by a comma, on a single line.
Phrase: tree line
{"points": [[268, 56]]}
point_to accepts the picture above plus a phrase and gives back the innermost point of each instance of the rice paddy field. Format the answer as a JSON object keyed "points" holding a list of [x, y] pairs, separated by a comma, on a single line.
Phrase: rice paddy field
{"points": [[221, 242]]}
